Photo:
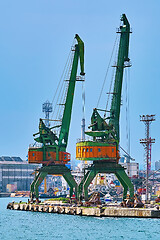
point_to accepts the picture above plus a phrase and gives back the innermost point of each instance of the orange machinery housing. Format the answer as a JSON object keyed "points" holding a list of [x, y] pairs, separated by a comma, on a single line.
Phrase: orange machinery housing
{"points": [[92, 152], [35, 155]]}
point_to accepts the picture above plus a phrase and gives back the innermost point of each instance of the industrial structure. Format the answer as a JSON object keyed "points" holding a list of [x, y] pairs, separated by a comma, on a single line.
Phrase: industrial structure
{"points": [[103, 149], [47, 109], [52, 150], [16, 172], [147, 143]]}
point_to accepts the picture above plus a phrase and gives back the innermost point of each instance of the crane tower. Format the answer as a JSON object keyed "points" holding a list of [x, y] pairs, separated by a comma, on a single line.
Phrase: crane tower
{"points": [[147, 143]]}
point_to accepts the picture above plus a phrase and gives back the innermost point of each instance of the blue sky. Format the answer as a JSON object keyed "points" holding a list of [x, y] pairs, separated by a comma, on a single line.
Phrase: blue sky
{"points": [[36, 37]]}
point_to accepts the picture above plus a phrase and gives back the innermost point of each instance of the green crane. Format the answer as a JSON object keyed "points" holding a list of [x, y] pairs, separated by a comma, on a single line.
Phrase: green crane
{"points": [[104, 149], [52, 154], [100, 128], [79, 53], [123, 61]]}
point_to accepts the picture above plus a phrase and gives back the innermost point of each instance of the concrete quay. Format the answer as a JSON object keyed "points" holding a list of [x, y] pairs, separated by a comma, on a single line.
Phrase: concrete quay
{"points": [[87, 211]]}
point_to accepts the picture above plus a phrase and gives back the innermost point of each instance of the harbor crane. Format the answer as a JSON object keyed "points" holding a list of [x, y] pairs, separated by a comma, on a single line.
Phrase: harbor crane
{"points": [[103, 149], [52, 151]]}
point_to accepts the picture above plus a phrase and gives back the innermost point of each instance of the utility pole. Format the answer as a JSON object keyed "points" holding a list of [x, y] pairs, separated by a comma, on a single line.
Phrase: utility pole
{"points": [[147, 143]]}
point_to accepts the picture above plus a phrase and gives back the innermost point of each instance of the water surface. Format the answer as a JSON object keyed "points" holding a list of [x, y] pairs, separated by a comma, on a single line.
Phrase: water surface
{"points": [[18, 225]]}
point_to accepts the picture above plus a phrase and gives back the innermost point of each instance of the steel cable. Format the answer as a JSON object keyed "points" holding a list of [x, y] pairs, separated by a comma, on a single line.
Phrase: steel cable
{"points": [[107, 72]]}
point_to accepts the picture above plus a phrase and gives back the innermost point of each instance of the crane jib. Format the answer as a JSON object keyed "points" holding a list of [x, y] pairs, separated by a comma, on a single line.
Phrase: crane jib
{"points": [[122, 59], [79, 54]]}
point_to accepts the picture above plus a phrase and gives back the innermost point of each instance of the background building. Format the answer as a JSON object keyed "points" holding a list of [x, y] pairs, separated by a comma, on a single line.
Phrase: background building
{"points": [[132, 168], [18, 173], [157, 165]]}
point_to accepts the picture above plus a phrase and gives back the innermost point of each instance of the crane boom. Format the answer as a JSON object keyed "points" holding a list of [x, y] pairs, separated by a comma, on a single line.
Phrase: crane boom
{"points": [[79, 53], [121, 64]]}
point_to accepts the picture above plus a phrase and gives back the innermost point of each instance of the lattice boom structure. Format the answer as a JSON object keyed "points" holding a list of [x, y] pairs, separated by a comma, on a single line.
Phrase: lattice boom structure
{"points": [[147, 143]]}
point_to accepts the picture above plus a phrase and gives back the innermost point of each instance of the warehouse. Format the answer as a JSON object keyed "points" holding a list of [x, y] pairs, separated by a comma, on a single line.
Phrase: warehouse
{"points": [[13, 170]]}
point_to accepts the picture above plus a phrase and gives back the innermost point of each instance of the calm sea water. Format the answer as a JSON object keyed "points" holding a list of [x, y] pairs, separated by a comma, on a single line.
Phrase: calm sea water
{"points": [[44, 226]]}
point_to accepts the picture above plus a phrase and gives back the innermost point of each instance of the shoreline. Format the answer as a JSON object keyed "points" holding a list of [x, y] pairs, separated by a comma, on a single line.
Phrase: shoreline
{"points": [[97, 211]]}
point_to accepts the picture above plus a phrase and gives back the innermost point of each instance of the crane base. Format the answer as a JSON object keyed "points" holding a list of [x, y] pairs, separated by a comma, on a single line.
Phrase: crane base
{"points": [[105, 167], [57, 169]]}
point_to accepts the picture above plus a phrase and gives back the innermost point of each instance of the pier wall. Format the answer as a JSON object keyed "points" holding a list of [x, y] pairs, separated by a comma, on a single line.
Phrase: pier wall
{"points": [[87, 211]]}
